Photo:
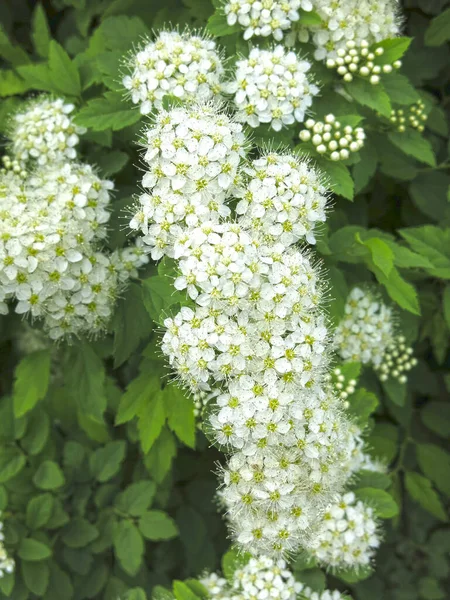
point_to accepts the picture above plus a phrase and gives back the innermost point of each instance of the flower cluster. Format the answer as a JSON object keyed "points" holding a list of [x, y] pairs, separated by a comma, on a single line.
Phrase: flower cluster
{"points": [[53, 222], [265, 17], [255, 337], [358, 59], [44, 132], [193, 155], [6, 563], [183, 65], [331, 139], [262, 578], [281, 198], [414, 116], [348, 535], [367, 334], [355, 20], [272, 86]]}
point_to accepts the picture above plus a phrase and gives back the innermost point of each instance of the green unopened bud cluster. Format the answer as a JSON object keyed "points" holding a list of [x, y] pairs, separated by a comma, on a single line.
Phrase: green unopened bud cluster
{"points": [[13, 165], [397, 361], [414, 116], [343, 387], [332, 139], [360, 60]]}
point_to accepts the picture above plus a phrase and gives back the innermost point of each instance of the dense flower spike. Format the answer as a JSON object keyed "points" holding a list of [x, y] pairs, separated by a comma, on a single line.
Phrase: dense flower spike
{"points": [[192, 155], [52, 223], [360, 60], [332, 139], [281, 198], [44, 132], [264, 18], [185, 65], [355, 20], [6, 563], [413, 116], [348, 535], [255, 339], [272, 86], [367, 334], [262, 578]]}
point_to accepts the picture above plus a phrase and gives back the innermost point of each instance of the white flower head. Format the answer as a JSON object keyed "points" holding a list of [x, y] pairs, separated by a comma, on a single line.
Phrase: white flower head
{"points": [[273, 87], [44, 132], [185, 65]]}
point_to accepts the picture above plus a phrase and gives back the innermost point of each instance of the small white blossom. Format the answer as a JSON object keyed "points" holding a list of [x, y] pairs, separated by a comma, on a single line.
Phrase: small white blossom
{"points": [[7, 564], [183, 65], [44, 132], [273, 87]]}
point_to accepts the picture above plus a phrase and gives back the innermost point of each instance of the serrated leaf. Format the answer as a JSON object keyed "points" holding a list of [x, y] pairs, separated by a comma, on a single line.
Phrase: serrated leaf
{"points": [[12, 53], [340, 180], [373, 96], [11, 84], [159, 295], [180, 414], [421, 490], [12, 461], [136, 498], [109, 112], [63, 72], [399, 290], [381, 253], [372, 479], [40, 31], [434, 462], [139, 392], [160, 457], [32, 376], [394, 48], [218, 27], [79, 533], [433, 243], [36, 577], [399, 89], [362, 405], [128, 546], [365, 169], [39, 511], [413, 144], [105, 462], [157, 525], [383, 503]]}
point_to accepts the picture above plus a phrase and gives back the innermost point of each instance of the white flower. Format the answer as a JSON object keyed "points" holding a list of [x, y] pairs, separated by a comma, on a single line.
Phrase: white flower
{"points": [[7, 564], [272, 86], [183, 65], [282, 197], [44, 132], [347, 536], [357, 20], [271, 17]]}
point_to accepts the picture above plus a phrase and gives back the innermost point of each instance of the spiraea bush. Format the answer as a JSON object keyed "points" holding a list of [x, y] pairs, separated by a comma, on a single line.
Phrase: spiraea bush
{"points": [[224, 300]]}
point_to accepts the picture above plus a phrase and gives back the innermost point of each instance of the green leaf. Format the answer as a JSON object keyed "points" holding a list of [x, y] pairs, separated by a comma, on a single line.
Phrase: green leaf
{"points": [[180, 414], [85, 380], [37, 77], [12, 53], [435, 464], [109, 112], [152, 416], [60, 587], [137, 594], [309, 17], [405, 258], [105, 462], [159, 295], [402, 292], [131, 324], [381, 253], [40, 31], [136, 499], [39, 511], [12, 461], [436, 416], [446, 304], [11, 84], [421, 490], [157, 525], [394, 48], [438, 31], [412, 143], [139, 392], [373, 96], [353, 575], [362, 405], [48, 476], [128, 546], [399, 89], [433, 243], [32, 376], [38, 431], [183, 592], [159, 460], [371, 479], [395, 390], [430, 589], [365, 169], [383, 440], [32, 550], [63, 72], [429, 194], [383, 503], [340, 180], [218, 27], [36, 577], [232, 560], [79, 533]]}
